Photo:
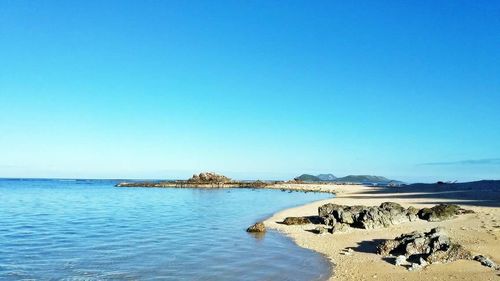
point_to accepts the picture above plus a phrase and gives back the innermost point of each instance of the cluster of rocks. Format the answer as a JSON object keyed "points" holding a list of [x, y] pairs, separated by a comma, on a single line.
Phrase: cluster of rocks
{"points": [[414, 250], [209, 178], [419, 249], [367, 217], [339, 218], [385, 215]]}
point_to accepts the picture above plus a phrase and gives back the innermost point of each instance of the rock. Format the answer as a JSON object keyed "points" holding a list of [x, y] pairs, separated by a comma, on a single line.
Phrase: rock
{"points": [[258, 227], [327, 209], [319, 230], [418, 265], [442, 212], [400, 260], [453, 253], [296, 220], [426, 247], [385, 248], [208, 178], [487, 262], [387, 214], [339, 227], [412, 213], [415, 266], [347, 252]]}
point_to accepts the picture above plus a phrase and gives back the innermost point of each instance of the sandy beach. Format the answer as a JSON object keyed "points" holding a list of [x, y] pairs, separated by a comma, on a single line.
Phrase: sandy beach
{"points": [[478, 232]]}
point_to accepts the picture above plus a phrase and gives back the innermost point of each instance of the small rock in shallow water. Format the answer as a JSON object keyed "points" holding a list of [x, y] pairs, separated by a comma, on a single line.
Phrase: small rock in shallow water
{"points": [[258, 227]]}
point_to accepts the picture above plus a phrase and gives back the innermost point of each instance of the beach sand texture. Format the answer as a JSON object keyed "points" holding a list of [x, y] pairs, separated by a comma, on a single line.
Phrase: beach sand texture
{"points": [[477, 232]]}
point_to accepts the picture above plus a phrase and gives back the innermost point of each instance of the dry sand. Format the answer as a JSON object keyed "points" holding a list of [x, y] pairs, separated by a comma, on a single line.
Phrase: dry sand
{"points": [[477, 232]]}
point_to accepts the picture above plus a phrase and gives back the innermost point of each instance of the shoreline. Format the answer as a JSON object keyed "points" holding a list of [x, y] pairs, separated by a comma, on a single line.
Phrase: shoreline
{"points": [[479, 233], [290, 187]]}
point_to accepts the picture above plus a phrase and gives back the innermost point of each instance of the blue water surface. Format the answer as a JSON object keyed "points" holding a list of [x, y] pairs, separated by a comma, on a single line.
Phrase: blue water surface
{"points": [[91, 230]]}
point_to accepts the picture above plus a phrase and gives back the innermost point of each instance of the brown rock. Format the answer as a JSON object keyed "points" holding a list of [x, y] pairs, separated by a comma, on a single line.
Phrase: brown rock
{"points": [[258, 227], [296, 220]]}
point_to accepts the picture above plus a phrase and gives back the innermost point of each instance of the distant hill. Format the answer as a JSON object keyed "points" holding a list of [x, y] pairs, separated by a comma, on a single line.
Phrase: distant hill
{"points": [[347, 179], [365, 179], [307, 178], [326, 177]]}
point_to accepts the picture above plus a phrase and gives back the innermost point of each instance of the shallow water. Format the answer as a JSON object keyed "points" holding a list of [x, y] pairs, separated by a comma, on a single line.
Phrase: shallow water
{"points": [[90, 230]]}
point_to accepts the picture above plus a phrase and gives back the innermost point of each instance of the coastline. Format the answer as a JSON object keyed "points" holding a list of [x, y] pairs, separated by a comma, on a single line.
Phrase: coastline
{"points": [[479, 233], [300, 187]]}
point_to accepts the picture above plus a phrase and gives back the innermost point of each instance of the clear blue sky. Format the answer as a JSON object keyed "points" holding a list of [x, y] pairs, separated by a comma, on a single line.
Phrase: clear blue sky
{"points": [[254, 89]]}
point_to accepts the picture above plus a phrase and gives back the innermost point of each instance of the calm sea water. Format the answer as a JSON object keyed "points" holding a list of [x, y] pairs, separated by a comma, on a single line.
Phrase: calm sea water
{"points": [[91, 230]]}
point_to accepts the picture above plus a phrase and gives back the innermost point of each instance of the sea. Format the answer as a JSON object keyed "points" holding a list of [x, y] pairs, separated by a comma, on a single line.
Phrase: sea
{"points": [[53, 229]]}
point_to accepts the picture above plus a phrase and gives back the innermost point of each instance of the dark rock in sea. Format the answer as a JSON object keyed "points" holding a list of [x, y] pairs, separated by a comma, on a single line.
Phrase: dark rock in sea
{"points": [[387, 214], [442, 212], [258, 227], [296, 220], [422, 248]]}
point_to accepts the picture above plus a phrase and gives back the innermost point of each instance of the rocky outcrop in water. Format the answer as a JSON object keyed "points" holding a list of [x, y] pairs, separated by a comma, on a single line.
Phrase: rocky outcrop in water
{"points": [[257, 228], [385, 215], [208, 178]]}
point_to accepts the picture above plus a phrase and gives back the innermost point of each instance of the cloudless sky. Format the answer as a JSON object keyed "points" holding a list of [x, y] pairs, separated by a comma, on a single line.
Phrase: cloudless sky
{"points": [[253, 89]]}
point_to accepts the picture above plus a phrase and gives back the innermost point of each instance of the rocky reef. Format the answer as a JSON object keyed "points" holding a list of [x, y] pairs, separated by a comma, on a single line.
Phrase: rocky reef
{"points": [[202, 180], [419, 249]]}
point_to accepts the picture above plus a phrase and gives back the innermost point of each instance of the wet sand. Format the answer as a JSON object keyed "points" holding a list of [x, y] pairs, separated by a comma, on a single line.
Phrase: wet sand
{"points": [[477, 232]]}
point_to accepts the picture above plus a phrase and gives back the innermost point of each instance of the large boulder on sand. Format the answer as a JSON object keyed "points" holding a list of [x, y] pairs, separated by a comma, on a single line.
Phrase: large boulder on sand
{"points": [[441, 212]]}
